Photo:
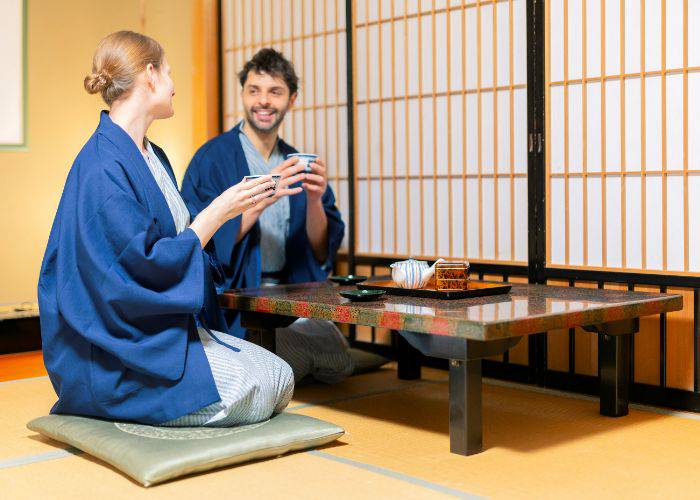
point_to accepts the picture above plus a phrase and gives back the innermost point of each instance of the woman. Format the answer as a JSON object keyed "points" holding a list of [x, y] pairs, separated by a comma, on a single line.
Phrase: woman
{"points": [[127, 286]]}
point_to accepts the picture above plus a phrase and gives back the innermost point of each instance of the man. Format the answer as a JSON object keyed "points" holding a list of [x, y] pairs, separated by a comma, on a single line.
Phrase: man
{"points": [[291, 237]]}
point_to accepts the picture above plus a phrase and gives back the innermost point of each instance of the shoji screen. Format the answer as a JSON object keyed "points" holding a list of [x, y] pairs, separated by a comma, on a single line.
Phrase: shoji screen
{"points": [[441, 127], [623, 93], [311, 33], [623, 115]]}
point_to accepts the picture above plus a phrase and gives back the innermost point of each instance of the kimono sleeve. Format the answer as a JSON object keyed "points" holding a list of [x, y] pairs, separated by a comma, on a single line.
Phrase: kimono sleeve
{"points": [[134, 291], [203, 182]]}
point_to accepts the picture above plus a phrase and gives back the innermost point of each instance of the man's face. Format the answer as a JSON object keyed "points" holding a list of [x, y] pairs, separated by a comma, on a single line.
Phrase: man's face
{"points": [[266, 100]]}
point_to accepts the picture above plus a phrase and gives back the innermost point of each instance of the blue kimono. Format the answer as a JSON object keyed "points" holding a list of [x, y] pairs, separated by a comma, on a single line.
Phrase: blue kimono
{"points": [[120, 292], [220, 164]]}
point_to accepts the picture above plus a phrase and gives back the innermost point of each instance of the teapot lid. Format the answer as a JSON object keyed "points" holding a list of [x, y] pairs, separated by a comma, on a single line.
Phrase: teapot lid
{"points": [[410, 260]]}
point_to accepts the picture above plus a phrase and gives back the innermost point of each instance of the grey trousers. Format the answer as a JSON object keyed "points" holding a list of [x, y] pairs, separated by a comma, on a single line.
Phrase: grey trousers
{"points": [[317, 348], [253, 383]]}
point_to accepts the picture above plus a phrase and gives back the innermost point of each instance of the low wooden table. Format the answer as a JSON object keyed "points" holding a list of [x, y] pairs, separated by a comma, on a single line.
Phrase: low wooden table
{"points": [[466, 331], [18, 310], [19, 327]]}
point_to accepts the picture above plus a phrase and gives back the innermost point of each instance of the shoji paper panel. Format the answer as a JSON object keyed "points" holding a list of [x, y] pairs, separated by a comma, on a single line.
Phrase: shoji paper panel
{"points": [[623, 94], [441, 102]]}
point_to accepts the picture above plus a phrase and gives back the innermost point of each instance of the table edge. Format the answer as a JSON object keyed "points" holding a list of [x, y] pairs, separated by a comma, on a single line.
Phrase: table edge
{"points": [[461, 328]]}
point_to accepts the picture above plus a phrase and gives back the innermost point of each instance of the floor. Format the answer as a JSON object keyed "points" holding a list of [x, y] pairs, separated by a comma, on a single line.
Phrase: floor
{"points": [[539, 444], [21, 365]]}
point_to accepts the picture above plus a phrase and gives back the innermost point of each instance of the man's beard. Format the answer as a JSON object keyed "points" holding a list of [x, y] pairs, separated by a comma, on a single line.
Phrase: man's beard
{"points": [[265, 129]]}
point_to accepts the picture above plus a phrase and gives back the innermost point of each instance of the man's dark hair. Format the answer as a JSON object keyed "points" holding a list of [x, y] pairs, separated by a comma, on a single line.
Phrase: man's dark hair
{"points": [[273, 63]]}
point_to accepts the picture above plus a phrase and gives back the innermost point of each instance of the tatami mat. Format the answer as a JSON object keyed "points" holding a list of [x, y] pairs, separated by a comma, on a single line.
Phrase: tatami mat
{"points": [[301, 475], [538, 445], [21, 401]]}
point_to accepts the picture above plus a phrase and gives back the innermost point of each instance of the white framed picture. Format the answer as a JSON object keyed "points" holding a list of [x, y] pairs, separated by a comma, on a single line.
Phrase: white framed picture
{"points": [[13, 78]]}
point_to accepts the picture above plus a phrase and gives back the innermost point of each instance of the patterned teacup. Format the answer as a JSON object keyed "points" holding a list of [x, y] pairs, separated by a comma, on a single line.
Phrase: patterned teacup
{"points": [[305, 159]]}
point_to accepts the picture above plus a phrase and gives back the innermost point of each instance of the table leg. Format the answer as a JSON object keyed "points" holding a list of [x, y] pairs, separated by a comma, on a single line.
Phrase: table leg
{"points": [[614, 355], [264, 337], [409, 359], [614, 362], [465, 407], [465, 382], [262, 328], [268, 339]]}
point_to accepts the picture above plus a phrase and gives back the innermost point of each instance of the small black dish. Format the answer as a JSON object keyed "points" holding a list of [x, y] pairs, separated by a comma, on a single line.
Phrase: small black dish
{"points": [[362, 295], [350, 279]]}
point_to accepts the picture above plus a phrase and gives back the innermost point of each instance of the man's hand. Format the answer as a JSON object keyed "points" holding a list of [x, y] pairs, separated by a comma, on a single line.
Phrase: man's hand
{"points": [[316, 182], [291, 173], [315, 185]]}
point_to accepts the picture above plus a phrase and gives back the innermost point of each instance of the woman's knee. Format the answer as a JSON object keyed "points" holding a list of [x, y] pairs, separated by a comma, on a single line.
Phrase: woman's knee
{"points": [[287, 374], [285, 389]]}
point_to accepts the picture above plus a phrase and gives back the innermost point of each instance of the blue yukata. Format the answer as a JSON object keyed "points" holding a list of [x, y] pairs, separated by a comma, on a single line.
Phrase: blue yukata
{"points": [[127, 301], [275, 250]]}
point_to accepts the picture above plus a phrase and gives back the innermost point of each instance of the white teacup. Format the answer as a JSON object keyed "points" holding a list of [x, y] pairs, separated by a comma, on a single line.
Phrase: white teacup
{"points": [[275, 178], [305, 159]]}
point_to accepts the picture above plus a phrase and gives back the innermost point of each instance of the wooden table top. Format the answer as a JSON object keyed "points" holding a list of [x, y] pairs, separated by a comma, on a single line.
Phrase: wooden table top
{"points": [[526, 310]]}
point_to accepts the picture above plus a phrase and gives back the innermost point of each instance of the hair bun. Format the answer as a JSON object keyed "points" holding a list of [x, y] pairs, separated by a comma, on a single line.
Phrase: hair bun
{"points": [[97, 82]]}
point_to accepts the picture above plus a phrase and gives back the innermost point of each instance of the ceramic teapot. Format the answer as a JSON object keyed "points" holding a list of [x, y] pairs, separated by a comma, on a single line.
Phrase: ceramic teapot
{"points": [[412, 273]]}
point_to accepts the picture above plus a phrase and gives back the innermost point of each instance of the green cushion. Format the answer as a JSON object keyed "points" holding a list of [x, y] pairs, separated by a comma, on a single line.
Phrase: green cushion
{"points": [[152, 455], [366, 361]]}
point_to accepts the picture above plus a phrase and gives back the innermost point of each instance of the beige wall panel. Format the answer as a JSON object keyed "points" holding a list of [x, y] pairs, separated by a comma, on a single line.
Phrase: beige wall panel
{"points": [[62, 37], [679, 343], [646, 346]]}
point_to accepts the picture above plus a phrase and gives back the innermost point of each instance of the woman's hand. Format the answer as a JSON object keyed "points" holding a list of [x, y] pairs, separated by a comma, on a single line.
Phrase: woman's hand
{"points": [[242, 196], [228, 205], [290, 173]]}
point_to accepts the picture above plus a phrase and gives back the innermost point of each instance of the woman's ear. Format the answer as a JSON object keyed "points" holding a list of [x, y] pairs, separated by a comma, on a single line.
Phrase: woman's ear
{"points": [[151, 76]]}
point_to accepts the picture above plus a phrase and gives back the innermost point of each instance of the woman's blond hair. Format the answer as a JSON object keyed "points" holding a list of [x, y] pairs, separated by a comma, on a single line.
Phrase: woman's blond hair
{"points": [[118, 59]]}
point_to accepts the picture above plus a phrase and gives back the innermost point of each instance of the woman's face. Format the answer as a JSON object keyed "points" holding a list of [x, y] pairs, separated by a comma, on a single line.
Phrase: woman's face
{"points": [[162, 90]]}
